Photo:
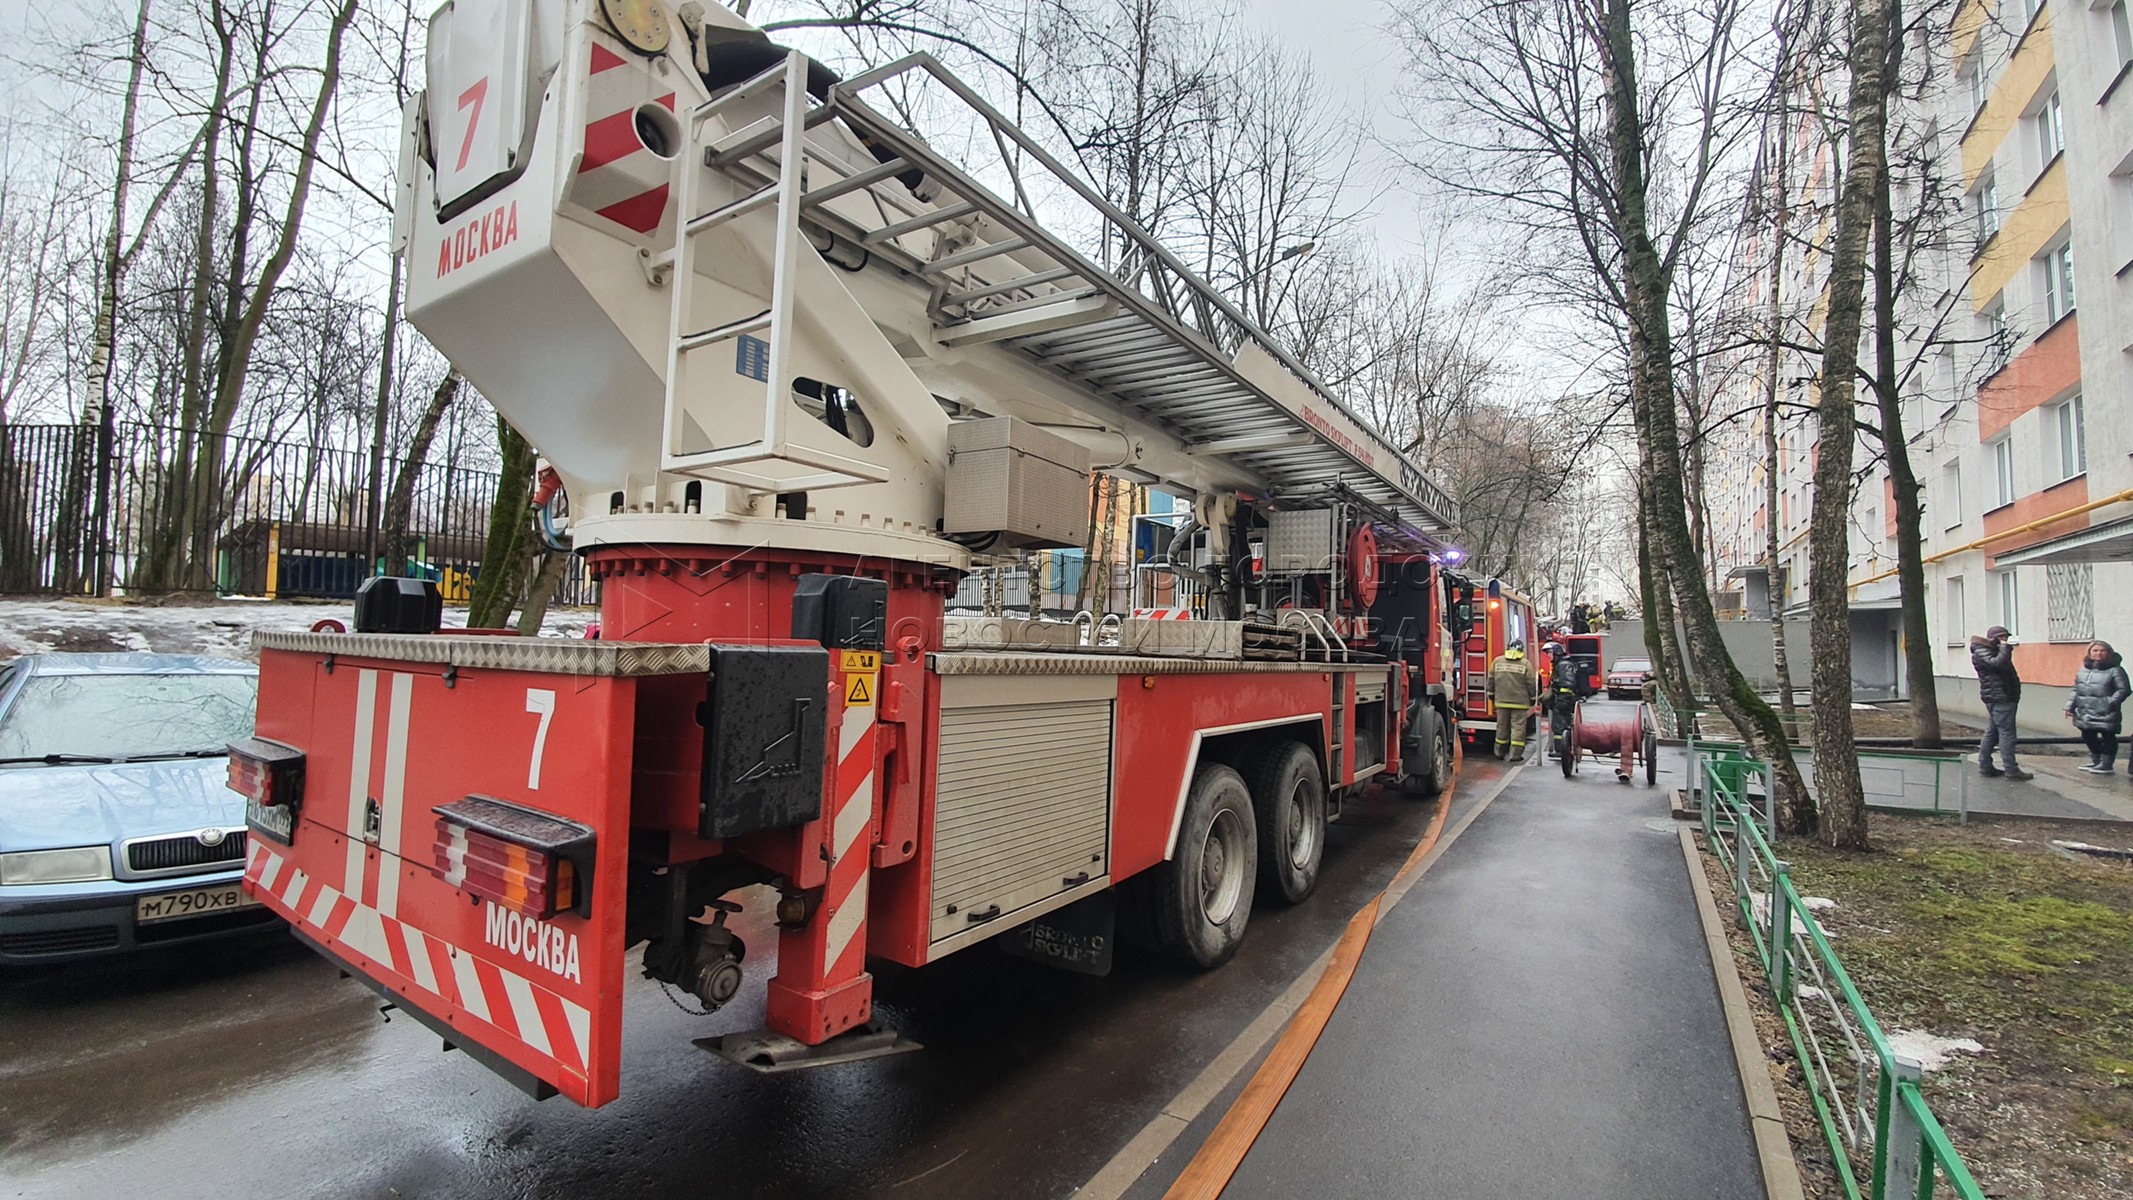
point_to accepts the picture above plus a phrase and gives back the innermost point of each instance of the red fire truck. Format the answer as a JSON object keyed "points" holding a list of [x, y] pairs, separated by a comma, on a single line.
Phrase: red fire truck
{"points": [[798, 374], [1490, 616]]}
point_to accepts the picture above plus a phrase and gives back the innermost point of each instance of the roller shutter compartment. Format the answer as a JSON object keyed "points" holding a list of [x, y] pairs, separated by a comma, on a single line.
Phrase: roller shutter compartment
{"points": [[1021, 811]]}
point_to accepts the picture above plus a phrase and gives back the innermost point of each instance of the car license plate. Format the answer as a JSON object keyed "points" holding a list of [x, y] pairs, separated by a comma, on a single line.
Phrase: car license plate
{"points": [[277, 821], [170, 906]]}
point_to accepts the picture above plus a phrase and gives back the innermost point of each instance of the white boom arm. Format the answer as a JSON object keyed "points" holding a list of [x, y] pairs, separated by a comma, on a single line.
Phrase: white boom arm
{"points": [[696, 297]]}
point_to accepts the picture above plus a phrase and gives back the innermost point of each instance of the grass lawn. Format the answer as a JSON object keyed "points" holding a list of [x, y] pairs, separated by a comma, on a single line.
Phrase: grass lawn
{"points": [[1985, 932]]}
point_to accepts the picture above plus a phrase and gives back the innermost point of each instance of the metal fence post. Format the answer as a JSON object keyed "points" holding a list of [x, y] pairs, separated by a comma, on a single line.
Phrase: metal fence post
{"points": [[1770, 801], [1780, 931], [1705, 804], [1899, 1140]]}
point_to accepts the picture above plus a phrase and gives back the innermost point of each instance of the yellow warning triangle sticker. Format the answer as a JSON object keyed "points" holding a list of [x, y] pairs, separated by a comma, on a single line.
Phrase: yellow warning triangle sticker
{"points": [[859, 689]]}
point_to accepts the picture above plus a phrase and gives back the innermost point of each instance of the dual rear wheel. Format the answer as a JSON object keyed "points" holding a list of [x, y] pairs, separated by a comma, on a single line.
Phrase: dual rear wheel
{"points": [[1234, 839]]}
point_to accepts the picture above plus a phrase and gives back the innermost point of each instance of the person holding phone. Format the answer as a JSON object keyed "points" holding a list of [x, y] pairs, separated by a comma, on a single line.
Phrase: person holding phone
{"points": [[1999, 687]]}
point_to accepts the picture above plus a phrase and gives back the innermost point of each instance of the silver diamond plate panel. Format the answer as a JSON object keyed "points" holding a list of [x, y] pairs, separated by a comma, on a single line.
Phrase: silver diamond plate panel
{"points": [[546, 656], [1098, 663]]}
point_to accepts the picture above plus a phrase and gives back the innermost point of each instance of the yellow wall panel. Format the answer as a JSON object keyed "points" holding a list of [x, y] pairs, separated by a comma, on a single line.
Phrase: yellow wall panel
{"points": [[1963, 31], [2003, 108], [2041, 214]]}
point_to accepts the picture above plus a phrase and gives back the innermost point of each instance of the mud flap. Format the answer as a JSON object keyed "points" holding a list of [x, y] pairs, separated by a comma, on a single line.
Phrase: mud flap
{"points": [[1076, 938]]}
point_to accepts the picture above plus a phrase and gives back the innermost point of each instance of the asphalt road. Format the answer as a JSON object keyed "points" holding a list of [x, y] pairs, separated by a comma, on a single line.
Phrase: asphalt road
{"points": [[252, 1068], [1537, 1019]]}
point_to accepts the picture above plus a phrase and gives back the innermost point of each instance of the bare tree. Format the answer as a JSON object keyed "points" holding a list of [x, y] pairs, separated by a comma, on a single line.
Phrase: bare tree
{"points": [[1842, 803], [1537, 106]]}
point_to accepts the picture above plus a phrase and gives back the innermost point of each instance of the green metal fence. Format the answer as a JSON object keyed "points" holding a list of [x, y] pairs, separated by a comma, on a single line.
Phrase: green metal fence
{"points": [[1883, 1139]]}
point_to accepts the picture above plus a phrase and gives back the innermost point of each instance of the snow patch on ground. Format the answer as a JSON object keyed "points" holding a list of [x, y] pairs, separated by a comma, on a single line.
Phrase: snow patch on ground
{"points": [[1931, 1053], [221, 629], [1799, 927], [1818, 903]]}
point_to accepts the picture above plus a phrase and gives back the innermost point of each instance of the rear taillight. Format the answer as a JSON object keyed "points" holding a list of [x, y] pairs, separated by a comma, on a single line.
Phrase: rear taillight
{"points": [[270, 777], [534, 864]]}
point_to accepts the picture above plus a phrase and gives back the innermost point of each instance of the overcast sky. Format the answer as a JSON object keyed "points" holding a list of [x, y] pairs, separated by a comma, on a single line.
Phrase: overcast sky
{"points": [[1353, 56]]}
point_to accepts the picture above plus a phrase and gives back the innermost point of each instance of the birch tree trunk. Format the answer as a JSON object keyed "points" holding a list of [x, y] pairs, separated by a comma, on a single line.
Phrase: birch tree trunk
{"points": [[1829, 601], [1773, 569], [1645, 287], [1896, 447]]}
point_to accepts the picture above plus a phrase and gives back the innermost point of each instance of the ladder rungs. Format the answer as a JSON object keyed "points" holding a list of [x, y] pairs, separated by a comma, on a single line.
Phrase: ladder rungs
{"points": [[741, 207], [974, 254], [854, 182], [923, 221], [720, 333], [768, 78], [755, 137], [993, 289]]}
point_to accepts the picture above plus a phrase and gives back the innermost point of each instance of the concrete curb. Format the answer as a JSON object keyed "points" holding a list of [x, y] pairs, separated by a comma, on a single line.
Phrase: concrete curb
{"points": [[1781, 1175]]}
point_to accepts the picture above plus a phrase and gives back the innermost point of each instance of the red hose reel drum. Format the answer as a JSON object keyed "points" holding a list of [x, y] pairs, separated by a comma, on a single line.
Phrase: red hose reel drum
{"points": [[1363, 566], [1609, 728]]}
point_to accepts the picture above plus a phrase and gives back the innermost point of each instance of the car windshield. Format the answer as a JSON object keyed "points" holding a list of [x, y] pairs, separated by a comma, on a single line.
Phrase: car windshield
{"points": [[1627, 665], [127, 716]]}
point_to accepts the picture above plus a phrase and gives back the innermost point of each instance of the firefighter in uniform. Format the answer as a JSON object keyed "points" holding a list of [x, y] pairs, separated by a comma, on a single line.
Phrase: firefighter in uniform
{"points": [[1514, 688]]}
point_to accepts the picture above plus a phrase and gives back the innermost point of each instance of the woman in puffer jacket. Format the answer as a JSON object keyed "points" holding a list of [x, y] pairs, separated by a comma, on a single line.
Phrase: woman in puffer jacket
{"points": [[2100, 691]]}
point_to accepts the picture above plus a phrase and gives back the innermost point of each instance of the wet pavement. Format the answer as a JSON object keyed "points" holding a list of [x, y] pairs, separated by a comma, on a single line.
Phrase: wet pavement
{"points": [[1538, 1018], [252, 1068]]}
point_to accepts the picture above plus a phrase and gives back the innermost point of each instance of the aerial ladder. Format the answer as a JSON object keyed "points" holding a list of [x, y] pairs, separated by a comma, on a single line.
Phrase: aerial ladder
{"points": [[799, 371]]}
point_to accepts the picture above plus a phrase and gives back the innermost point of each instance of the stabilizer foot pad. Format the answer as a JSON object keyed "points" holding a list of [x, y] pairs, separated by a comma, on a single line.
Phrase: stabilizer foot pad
{"points": [[770, 1053]]}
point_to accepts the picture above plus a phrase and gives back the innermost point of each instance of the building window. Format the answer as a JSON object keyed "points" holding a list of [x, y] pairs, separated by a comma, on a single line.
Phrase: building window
{"points": [[2003, 472], [2050, 124], [2030, 9], [2069, 593], [2121, 32], [2070, 438], [1951, 490], [2010, 601], [1974, 80], [2059, 281], [1957, 622], [1986, 203]]}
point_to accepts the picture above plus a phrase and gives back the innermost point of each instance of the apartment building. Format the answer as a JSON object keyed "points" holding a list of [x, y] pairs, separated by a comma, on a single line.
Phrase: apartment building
{"points": [[2018, 401]]}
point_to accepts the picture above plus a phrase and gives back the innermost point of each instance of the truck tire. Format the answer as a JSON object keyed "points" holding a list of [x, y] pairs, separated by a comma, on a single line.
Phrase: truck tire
{"points": [[1433, 755], [1203, 895], [1289, 796]]}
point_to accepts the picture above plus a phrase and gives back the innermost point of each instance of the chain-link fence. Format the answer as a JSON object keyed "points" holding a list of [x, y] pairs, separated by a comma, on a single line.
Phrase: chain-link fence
{"points": [[158, 511]]}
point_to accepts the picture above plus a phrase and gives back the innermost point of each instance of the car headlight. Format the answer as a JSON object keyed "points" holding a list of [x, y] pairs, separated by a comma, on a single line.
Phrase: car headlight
{"points": [[82, 864]]}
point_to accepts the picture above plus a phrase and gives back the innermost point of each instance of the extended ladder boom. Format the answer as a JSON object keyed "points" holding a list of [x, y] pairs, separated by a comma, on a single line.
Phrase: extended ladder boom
{"points": [[711, 282]]}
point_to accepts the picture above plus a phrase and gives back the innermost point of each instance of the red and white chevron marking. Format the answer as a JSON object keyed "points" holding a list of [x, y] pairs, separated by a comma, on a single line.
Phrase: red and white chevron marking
{"points": [[617, 177], [542, 1021], [845, 897]]}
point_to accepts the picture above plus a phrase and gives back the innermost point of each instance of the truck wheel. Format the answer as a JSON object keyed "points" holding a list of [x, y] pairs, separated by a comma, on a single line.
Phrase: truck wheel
{"points": [[1289, 795], [1438, 772], [1203, 895]]}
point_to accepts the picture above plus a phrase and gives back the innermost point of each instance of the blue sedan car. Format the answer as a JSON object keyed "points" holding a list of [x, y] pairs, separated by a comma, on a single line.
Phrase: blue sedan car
{"points": [[117, 825]]}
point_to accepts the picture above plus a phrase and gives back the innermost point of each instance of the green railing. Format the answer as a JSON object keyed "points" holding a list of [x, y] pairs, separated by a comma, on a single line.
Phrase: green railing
{"points": [[1883, 1139], [1730, 755]]}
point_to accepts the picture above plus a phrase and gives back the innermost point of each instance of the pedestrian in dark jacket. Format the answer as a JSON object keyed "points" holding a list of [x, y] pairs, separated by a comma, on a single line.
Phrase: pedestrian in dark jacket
{"points": [[2000, 688], [2100, 691]]}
